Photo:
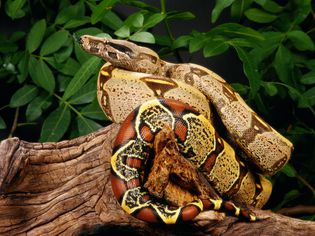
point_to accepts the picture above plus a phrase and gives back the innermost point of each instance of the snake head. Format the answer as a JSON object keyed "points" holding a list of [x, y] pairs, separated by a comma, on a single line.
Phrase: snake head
{"points": [[122, 54]]}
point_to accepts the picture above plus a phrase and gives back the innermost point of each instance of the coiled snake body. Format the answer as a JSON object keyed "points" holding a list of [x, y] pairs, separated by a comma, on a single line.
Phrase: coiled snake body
{"points": [[143, 92]]}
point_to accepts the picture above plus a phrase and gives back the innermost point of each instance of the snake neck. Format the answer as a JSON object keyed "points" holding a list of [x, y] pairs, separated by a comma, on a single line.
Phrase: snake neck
{"points": [[167, 69]]}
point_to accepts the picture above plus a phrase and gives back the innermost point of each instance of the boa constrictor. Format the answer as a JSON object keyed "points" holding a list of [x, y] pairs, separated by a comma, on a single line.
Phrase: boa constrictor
{"points": [[143, 92]]}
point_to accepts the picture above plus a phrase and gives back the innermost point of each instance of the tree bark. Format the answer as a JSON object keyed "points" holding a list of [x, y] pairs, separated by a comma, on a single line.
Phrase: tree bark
{"points": [[64, 188]]}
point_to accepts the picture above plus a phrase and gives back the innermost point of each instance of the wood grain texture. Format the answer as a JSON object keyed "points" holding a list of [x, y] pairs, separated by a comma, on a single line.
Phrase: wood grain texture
{"points": [[63, 188]]}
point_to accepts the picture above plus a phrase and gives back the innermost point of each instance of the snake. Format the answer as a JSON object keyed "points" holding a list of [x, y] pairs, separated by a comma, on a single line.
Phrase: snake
{"points": [[143, 93]]}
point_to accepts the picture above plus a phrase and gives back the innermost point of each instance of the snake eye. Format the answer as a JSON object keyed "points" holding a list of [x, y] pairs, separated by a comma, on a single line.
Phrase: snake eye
{"points": [[122, 48], [112, 55]]}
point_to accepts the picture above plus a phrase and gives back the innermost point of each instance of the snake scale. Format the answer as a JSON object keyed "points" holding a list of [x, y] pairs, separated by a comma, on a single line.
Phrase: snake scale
{"points": [[143, 93]]}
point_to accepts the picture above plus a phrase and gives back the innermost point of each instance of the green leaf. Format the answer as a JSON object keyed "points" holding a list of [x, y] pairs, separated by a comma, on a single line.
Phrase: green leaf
{"points": [[301, 40], [302, 8], [94, 111], [54, 42], [70, 67], [242, 42], [242, 89], [112, 20], [36, 107], [153, 20], [86, 125], [270, 6], [259, 16], [136, 20], [181, 41], [267, 46], [55, 125], [72, 12], [14, 9], [283, 64], [142, 37], [250, 70], [233, 30], [196, 43], [289, 196], [260, 104], [63, 82], [23, 95], [289, 170], [220, 5], [186, 15], [310, 64], [163, 40], [89, 30], [86, 94], [81, 55], [23, 67], [64, 52], [35, 36], [123, 32], [239, 7], [99, 11], [41, 74], [16, 36], [53, 62], [299, 130], [7, 47], [89, 68], [214, 47], [271, 89], [141, 5], [104, 35], [307, 99], [2, 123], [308, 78], [75, 23]]}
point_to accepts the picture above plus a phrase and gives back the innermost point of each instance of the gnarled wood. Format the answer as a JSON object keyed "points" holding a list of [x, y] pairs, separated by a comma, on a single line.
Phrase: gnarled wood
{"points": [[64, 188]]}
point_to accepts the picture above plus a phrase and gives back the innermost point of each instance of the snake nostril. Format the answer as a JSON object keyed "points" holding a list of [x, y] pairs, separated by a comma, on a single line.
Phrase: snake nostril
{"points": [[81, 40], [94, 50]]}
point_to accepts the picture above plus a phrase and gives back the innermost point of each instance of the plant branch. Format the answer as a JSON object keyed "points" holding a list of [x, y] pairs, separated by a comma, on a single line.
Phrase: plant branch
{"points": [[64, 188], [15, 121], [297, 210]]}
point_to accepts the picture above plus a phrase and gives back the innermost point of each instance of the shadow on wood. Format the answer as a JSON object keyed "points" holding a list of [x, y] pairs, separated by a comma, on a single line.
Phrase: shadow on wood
{"points": [[64, 188]]}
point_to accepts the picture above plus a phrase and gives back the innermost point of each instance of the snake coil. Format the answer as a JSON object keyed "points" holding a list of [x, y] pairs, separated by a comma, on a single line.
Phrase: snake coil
{"points": [[154, 92]]}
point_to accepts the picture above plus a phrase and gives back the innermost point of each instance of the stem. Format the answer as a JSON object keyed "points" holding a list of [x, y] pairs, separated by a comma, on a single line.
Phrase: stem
{"points": [[15, 120], [26, 123], [3, 107], [307, 184], [310, 31], [67, 104], [167, 26], [163, 6], [73, 109], [169, 31]]}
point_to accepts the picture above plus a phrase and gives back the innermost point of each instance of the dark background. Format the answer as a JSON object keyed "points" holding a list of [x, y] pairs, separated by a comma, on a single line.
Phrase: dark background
{"points": [[227, 65]]}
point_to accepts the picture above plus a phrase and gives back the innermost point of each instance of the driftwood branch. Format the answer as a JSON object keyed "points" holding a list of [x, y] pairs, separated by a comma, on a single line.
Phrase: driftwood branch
{"points": [[64, 188]]}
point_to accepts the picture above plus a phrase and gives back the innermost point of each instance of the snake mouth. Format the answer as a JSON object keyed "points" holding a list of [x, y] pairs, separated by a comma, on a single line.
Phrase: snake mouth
{"points": [[91, 44]]}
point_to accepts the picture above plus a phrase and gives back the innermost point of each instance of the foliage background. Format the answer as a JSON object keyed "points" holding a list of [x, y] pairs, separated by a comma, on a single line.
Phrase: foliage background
{"points": [[48, 83]]}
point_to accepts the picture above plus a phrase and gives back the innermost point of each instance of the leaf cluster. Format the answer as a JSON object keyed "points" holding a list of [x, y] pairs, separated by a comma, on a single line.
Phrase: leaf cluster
{"points": [[54, 81]]}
